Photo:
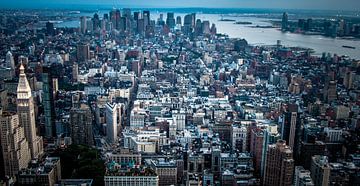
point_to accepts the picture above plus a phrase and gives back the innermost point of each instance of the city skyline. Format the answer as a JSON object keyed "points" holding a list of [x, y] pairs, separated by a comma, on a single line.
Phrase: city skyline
{"points": [[346, 5]]}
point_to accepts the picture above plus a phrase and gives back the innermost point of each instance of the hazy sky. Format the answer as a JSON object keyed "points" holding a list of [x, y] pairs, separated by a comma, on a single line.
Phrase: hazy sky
{"points": [[282, 4]]}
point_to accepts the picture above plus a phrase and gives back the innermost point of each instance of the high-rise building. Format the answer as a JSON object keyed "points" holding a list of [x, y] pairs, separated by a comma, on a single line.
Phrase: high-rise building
{"points": [[290, 122], [205, 27], [75, 72], [96, 21], [256, 147], [302, 177], [178, 20], [83, 24], [320, 170], [146, 17], [50, 28], [285, 22], [83, 52], [330, 92], [113, 121], [26, 112], [48, 102], [117, 19], [170, 20], [10, 62], [81, 130], [180, 119], [279, 165], [13, 144]]}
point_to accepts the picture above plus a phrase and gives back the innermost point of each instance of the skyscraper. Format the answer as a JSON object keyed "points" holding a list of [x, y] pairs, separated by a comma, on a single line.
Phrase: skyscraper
{"points": [[170, 20], [81, 130], [83, 24], [10, 60], [14, 146], [146, 17], [48, 102], [279, 165], [83, 52], [113, 121], [289, 124], [25, 110], [285, 22]]}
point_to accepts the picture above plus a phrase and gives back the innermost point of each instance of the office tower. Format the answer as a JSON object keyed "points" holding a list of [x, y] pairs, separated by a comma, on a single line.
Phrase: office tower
{"points": [[140, 26], [117, 19], [50, 28], [75, 72], [10, 62], [256, 147], [290, 124], [180, 119], [83, 24], [81, 130], [146, 17], [188, 24], [113, 121], [83, 52], [122, 26], [14, 146], [215, 160], [49, 102], [320, 170], [302, 177], [330, 92], [271, 136], [106, 16], [198, 27], [96, 22], [137, 16], [213, 29], [127, 13], [25, 110], [178, 20], [279, 165], [170, 20], [285, 22], [205, 27]]}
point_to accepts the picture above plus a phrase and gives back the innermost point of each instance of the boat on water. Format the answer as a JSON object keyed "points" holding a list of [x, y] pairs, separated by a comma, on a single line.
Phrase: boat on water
{"points": [[351, 47]]}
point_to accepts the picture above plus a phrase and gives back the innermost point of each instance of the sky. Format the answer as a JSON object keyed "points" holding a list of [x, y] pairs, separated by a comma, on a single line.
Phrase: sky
{"points": [[353, 5]]}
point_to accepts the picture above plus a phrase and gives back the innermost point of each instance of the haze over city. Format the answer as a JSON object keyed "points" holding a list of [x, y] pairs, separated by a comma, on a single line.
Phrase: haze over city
{"points": [[352, 5]]}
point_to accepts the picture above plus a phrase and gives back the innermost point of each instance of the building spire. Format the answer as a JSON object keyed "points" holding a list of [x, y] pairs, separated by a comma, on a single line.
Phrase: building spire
{"points": [[23, 89]]}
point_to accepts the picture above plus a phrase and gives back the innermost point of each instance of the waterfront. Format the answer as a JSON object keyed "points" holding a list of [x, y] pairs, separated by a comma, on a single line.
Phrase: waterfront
{"points": [[261, 36]]}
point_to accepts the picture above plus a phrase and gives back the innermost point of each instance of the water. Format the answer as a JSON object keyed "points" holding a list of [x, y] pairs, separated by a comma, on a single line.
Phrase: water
{"points": [[262, 36]]}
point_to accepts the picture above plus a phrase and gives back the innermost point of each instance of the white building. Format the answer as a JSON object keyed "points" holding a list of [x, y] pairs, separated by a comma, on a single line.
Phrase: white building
{"points": [[131, 180], [113, 121], [137, 118], [239, 135], [180, 119]]}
